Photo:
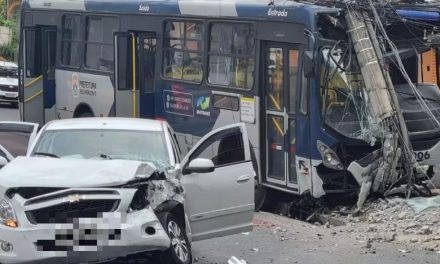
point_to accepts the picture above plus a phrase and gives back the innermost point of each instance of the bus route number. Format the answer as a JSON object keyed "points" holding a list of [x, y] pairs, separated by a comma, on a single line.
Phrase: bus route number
{"points": [[420, 155]]}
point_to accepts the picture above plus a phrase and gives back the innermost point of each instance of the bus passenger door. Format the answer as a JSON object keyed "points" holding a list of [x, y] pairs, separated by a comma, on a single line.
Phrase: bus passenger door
{"points": [[37, 75], [49, 50], [281, 70], [147, 66], [126, 93], [31, 77], [134, 76]]}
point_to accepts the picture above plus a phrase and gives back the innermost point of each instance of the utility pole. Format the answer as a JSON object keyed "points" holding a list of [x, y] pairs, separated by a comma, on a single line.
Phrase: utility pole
{"points": [[388, 121]]}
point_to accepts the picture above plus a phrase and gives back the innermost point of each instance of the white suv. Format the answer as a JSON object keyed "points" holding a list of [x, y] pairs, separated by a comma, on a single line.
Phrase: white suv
{"points": [[9, 83]]}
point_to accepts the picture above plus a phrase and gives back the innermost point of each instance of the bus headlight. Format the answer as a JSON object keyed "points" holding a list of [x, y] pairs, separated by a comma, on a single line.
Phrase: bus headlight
{"points": [[329, 158], [7, 214]]}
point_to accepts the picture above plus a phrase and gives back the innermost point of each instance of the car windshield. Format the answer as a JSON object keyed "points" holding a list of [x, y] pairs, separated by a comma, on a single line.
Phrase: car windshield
{"points": [[15, 138], [149, 146], [8, 72], [343, 95]]}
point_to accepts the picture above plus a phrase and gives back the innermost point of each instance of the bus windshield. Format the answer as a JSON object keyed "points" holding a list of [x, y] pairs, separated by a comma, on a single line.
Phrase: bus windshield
{"points": [[343, 98]]}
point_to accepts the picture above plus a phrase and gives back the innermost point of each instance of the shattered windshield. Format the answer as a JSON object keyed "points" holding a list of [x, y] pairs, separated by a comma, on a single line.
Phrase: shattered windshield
{"points": [[148, 146], [343, 100]]}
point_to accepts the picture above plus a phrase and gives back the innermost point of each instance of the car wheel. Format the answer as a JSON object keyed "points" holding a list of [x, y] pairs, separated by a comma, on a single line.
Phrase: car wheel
{"points": [[14, 105], [180, 248]]}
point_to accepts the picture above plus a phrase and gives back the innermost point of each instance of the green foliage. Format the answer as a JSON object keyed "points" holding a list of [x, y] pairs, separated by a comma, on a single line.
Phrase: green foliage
{"points": [[9, 51]]}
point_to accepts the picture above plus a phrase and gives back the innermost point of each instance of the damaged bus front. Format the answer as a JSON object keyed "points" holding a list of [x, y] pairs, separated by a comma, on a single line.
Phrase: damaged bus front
{"points": [[368, 131]]}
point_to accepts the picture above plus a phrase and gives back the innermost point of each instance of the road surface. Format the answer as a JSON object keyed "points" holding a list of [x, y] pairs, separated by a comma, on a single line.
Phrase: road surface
{"points": [[8, 113]]}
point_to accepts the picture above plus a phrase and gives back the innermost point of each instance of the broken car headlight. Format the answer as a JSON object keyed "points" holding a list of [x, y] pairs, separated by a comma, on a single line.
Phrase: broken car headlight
{"points": [[7, 214], [140, 199], [329, 158]]}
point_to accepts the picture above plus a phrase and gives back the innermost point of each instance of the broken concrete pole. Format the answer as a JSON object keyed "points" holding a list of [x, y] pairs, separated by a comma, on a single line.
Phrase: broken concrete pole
{"points": [[375, 83], [381, 104]]}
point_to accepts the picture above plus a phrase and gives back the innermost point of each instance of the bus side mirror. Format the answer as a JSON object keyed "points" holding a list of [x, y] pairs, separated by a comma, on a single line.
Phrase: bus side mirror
{"points": [[309, 64]]}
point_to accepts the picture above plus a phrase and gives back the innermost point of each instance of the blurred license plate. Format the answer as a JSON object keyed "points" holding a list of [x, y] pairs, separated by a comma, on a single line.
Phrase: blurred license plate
{"points": [[11, 95]]}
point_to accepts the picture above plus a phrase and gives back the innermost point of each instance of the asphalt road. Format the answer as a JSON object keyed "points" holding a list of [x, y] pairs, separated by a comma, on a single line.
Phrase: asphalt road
{"points": [[8, 113], [281, 240]]}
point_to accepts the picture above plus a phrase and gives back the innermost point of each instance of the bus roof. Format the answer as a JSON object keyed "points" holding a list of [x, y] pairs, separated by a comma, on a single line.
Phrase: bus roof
{"points": [[280, 10]]}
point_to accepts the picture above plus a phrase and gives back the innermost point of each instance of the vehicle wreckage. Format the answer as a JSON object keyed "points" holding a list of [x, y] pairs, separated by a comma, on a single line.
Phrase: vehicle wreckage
{"points": [[369, 68], [97, 189], [67, 200]]}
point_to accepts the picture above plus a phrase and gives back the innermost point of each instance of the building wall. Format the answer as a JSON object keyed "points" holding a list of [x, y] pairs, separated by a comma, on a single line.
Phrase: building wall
{"points": [[428, 71]]}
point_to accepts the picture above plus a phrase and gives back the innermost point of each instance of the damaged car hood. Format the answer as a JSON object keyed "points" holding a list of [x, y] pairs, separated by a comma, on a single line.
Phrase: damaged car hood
{"points": [[68, 173]]}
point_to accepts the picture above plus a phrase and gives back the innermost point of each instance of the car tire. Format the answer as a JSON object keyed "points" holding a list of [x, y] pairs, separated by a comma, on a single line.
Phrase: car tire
{"points": [[180, 247], [14, 105]]}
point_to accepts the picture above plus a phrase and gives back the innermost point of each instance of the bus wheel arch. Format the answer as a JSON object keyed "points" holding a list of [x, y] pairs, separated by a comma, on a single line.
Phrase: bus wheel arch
{"points": [[83, 110]]}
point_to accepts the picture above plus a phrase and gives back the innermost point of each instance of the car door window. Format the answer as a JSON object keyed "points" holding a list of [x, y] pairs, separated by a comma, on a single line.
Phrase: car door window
{"points": [[15, 138], [223, 148], [2, 154]]}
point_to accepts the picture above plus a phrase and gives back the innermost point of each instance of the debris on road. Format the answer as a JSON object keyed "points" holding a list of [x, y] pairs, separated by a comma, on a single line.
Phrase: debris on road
{"points": [[421, 203], [234, 260]]}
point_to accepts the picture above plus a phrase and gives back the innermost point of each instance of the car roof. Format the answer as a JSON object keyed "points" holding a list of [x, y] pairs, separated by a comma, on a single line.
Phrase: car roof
{"points": [[110, 123]]}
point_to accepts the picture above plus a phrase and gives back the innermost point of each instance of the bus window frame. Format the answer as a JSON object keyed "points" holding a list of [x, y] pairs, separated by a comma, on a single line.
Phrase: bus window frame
{"points": [[208, 53], [304, 86], [85, 42], [116, 71], [141, 71], [37, 32], [81, 41], [163, 49]]}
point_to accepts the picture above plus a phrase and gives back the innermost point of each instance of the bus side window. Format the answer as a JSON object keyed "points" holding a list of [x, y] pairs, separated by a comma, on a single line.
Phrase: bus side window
{"points": [[183, 51], [231, 55], [71, 41], [33, 53], [99, 51]]}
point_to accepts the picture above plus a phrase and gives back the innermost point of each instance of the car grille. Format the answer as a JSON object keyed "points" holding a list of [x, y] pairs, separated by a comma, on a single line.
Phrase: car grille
{"points": [[66, 212], [8, 88]]}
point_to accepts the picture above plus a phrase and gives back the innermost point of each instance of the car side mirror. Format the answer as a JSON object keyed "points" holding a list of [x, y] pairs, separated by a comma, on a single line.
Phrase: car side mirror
{"points": [[200, 165], [309, 64], [3, 161]]}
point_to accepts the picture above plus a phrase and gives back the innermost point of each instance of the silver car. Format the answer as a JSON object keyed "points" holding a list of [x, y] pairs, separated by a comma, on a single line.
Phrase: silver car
{"points": [[95, 189]]}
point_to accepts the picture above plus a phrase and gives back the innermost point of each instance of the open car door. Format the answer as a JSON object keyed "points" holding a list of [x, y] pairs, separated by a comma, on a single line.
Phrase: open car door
{"points": [[218, 177], [15, 138]]}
